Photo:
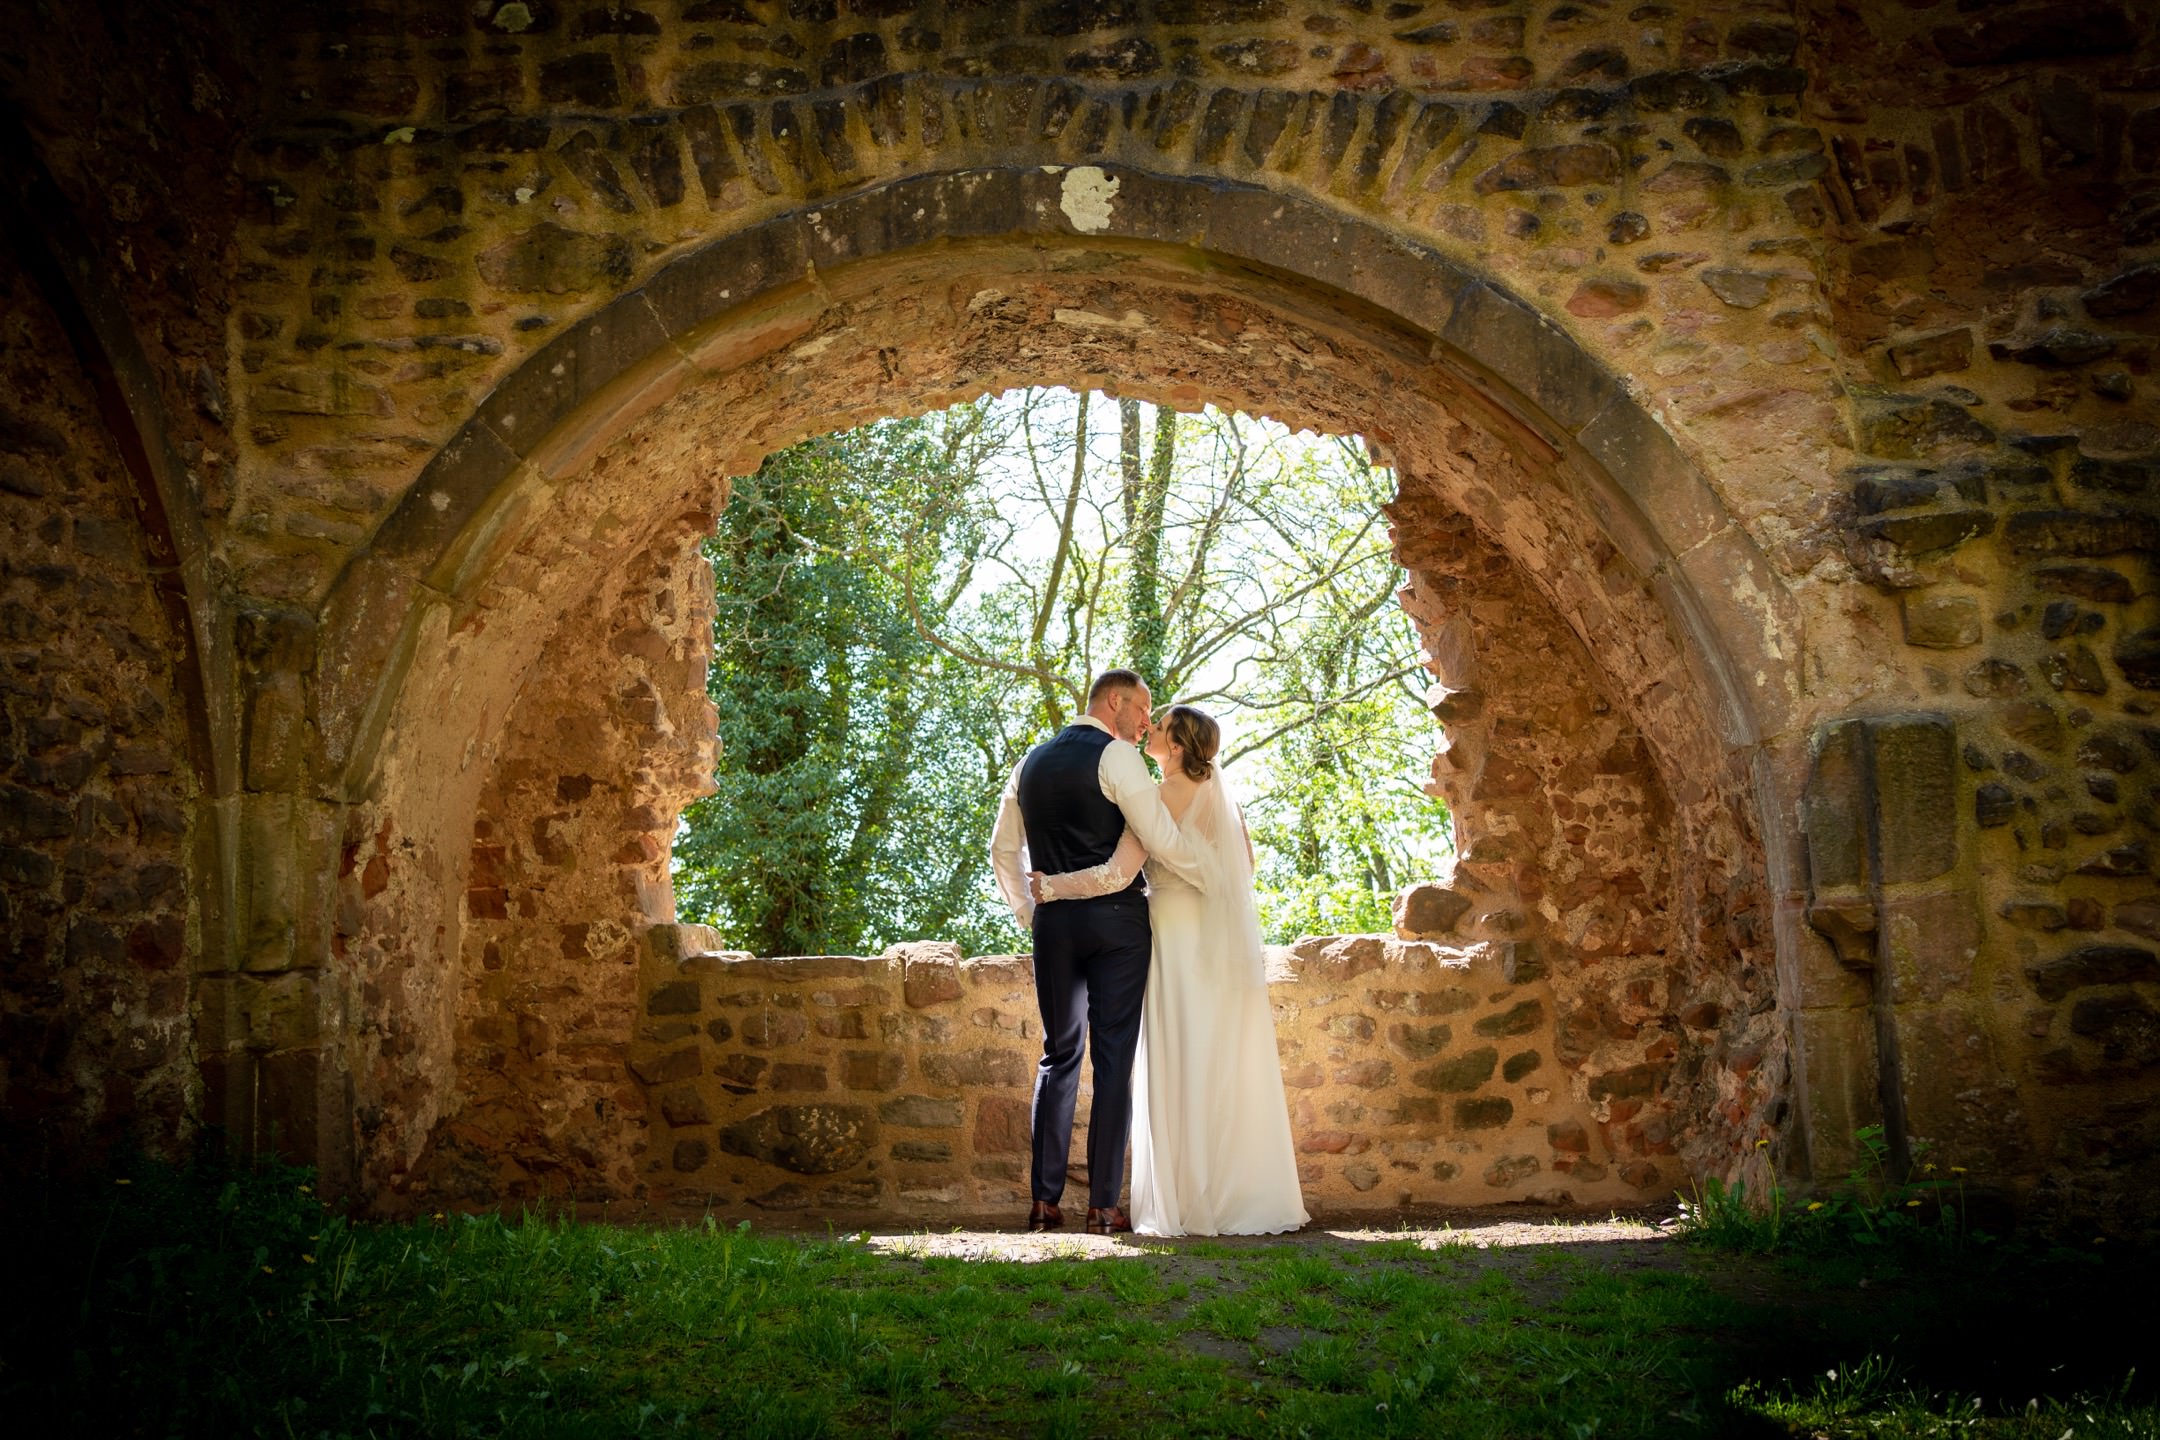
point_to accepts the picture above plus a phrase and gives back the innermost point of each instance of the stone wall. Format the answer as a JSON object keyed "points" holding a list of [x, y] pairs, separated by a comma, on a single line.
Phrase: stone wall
{"points": [[899, 1086], [569, 868], [1797, 356], [98, 803], [1633, 891]]}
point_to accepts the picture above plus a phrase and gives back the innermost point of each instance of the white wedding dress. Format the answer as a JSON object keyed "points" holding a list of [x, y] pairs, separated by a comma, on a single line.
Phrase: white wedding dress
{"points": [[1211, 1134]]}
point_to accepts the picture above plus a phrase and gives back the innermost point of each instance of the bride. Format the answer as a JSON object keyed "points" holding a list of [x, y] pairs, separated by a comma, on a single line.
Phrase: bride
{"points": [[1211, 1149]]}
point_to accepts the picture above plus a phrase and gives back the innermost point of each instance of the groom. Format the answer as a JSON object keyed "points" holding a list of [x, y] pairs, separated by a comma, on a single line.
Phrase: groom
{"points": [[1070, 799]]}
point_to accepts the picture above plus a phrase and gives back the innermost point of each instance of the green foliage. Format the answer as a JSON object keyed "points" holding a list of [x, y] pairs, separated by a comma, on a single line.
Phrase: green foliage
{"points": [[1722, 1217], [201, 1302], [855, 757], [904, 608], [1872, 1210]]}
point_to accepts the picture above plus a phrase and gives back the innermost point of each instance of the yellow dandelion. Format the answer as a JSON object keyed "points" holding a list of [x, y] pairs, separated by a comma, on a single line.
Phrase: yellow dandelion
{"points": [[268, 1271], [307, 1189], [1760, 1143], [1957, 1169], [1816, 1206], [123, 1182], [1909, 1204], [307, 1259]]}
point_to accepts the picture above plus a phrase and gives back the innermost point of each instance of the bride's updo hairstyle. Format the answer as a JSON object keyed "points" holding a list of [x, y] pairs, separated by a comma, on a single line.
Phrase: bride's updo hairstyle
{"points": [[1201, 737]]}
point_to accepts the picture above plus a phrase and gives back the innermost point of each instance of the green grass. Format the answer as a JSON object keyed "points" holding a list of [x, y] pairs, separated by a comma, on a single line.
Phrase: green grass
{"points": [[188, 1303]]}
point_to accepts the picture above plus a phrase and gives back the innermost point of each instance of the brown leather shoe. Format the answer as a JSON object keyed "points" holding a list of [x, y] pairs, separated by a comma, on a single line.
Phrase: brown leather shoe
{"points": [[1111, 1220], [1042, 1215]]}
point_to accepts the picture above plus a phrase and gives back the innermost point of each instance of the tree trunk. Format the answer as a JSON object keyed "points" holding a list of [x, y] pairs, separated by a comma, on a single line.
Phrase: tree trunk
{"points": [[1143, 597], [1053, 708]]}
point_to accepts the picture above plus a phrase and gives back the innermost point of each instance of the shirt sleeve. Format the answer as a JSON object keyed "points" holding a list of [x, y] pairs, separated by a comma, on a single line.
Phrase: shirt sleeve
{"points": [[1127, 785], [1112, 875], [1007, 839]]}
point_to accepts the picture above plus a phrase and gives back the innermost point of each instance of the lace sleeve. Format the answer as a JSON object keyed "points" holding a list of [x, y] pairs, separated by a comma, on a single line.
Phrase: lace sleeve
{"points": [[1112, 875]]}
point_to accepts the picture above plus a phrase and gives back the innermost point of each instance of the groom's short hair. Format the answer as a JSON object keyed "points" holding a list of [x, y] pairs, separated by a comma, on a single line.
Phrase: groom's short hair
{"points": [[1111, 680]]}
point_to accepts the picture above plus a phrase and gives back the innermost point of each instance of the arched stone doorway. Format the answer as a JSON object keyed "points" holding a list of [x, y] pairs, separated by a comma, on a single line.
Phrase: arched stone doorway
{"points": [[1551, 527]]}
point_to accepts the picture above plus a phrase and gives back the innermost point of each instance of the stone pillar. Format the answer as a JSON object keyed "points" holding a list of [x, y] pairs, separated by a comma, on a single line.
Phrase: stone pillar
{"points": [[1891, 889]]}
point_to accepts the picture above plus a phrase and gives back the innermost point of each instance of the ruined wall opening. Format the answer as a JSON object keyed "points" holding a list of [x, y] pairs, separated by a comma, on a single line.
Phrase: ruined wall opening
{"points": [[1587, 1008], [904, 608]]}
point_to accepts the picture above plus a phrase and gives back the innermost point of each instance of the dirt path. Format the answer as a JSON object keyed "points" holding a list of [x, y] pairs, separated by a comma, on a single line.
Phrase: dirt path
{"points": [[1632, 1238]]}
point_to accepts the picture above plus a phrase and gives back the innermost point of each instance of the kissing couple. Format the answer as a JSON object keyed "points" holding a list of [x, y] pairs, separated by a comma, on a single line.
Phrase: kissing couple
{"points": [[1147, 944]]}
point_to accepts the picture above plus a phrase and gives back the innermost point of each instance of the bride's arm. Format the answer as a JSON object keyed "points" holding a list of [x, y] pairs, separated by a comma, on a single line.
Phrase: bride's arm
{"points": [[1112, 875]]}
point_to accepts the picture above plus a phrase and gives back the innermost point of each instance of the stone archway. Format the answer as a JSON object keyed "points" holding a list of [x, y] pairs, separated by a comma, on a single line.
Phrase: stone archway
{"points": [[605, 454], [310, 248]]}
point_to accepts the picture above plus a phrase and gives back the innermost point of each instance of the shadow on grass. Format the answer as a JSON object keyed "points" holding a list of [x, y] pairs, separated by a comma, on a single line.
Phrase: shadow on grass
{"points": [[202, 1303]]}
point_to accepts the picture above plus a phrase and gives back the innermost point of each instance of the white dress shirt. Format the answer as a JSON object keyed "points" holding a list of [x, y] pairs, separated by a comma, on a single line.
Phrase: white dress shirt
{"points": [[1126, 784]]}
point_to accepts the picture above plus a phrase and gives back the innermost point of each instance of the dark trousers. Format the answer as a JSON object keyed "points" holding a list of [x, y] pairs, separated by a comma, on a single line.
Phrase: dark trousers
{"points": [[1091, 969]]}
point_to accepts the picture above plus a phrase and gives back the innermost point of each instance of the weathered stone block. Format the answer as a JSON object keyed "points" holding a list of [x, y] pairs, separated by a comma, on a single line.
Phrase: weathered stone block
{"points": [[1419, 1042], [1942, 622], [668, 1066], [1916, 796], [1904, 427], [2125, 1027], [871, 1070], [1003, 1125], [1631, 1082], [798, 1077], [1465, 1072], [1522, 961], [677, 997], [683, 1107], [921, 1112], [740, 1072], [2137, 655], [1569, 1137], [2140, 917], [1429, 911], [2092, 965], [1931, 941], [807, 1139], [930, 973], [2120, 863], [976, 1069], [925, 1152], [1333, 1142], [1994, 805], [1518, 1019], [770, 1028], [1834, 810], [1484, 1112], [1366, 1074], [549, 259], [1530, 353], [2088, 582], [1933, 354]]}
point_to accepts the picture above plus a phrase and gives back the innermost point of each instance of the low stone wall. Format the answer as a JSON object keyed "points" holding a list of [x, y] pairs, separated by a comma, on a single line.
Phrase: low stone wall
{"points": [[1416, 1074]]}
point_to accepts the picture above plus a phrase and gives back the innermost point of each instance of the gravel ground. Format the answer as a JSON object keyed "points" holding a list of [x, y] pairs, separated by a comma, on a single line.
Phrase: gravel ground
{"points": [[1472, 1229]]}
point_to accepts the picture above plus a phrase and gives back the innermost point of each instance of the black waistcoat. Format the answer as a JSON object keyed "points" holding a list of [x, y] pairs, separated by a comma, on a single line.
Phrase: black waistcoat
{"points": [[1070, 823]]}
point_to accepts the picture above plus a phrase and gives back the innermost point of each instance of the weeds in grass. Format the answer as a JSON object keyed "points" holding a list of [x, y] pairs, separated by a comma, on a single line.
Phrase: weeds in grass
{"points": [[1872, 1209]]}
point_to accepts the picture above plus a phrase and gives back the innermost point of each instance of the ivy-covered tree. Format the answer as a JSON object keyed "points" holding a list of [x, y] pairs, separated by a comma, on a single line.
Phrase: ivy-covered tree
{"points": [[853, 753]]}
